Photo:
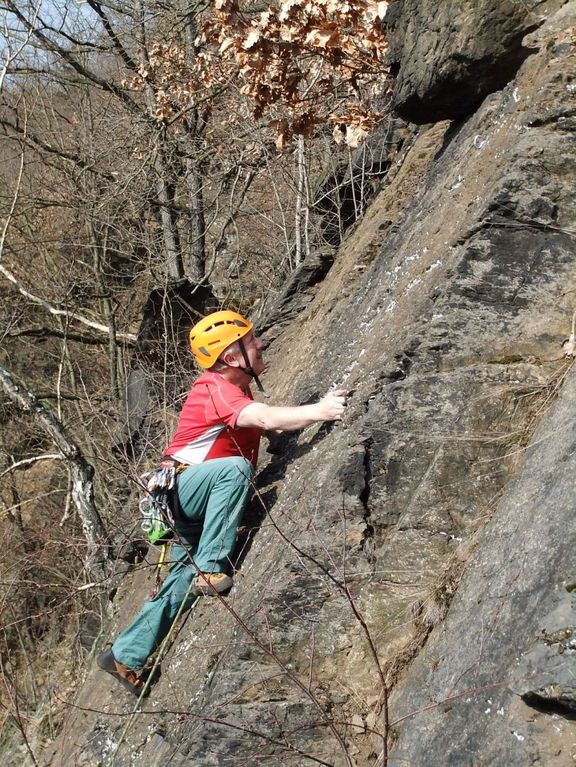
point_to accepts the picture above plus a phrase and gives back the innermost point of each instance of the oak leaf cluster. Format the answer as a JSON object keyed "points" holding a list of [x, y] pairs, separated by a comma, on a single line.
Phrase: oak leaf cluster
{"points": [[307, 62], [299, 63]]}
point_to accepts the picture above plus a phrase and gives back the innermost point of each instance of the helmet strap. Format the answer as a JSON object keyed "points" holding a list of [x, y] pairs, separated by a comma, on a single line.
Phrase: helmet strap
{"points": [[248, 368]]}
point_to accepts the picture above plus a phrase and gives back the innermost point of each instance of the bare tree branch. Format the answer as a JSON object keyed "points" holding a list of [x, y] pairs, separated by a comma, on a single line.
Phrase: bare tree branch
{"points": [[45, 332], [36, 143], [98, 561], [123, 53], [26, 462], [12, 56], [67, 56], [72, 316]]}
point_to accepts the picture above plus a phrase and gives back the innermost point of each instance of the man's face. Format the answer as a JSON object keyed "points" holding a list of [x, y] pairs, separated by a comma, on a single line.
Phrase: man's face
{"points": [[254, 348]]}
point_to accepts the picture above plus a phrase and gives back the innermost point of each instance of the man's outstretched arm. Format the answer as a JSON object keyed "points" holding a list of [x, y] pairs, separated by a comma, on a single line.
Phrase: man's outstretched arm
{"points": [[271, 417]]}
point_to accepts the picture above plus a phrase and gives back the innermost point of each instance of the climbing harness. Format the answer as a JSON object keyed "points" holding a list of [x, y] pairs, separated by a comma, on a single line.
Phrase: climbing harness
{"points": [[159, 505]]}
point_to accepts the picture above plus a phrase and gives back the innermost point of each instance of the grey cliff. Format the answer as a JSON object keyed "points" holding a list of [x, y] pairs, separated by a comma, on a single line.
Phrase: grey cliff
{"points": [[407, 594]]}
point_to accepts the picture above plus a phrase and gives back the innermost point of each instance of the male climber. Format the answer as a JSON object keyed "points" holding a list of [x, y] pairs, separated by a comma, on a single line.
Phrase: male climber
{"points": [[216, 447]]}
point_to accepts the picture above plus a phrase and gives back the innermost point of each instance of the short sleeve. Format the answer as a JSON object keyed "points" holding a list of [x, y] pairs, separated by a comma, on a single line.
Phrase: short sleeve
{"points": [[224, 402]]}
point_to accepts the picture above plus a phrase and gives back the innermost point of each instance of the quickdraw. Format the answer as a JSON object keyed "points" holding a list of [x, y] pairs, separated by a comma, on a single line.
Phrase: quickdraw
{"points": [[159, 501]]}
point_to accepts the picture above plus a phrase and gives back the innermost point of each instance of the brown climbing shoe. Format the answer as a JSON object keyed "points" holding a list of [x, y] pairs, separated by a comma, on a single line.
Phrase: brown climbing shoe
{"points": [[127, 677], [209, 584]]}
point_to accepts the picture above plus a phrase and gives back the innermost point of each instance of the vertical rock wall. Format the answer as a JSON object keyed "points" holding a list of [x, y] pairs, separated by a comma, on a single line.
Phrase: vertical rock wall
{"points": [[426, 539]]}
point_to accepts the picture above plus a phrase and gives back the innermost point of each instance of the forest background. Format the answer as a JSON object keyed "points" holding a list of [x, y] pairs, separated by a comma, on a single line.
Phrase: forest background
{"points": [[159, 160]]}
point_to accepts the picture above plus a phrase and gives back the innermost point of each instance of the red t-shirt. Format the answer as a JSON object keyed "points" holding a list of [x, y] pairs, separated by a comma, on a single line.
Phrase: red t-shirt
{"points": [[207, 424]]}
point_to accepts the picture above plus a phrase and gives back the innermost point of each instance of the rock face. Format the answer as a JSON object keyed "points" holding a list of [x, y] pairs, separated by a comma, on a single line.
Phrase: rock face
{"points": [[450, 54], [408, 596], [465, 696], [545, 674]]}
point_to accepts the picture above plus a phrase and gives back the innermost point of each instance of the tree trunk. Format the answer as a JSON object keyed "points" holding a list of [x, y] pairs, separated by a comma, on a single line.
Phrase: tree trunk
{"points": [[194, 128], [98, 561], [164, 185], [196, 266], [165, 195]]}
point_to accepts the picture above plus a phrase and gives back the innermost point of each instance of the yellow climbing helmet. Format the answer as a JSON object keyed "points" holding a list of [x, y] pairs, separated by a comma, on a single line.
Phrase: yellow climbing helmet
{"points": [[216, 332]]}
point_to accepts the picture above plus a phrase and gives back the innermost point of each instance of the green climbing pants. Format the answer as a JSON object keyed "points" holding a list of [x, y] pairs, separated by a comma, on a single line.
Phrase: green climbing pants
{"points": [[212, 498]]}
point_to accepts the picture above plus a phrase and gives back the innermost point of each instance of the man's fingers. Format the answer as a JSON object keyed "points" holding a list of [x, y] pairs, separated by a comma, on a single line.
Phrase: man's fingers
{"points": [[334, 404], [338, 404], [338, 395]]}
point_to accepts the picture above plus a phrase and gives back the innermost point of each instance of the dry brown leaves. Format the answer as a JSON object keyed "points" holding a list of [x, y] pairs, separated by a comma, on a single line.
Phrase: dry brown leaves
{"points": [[311, 61], [300, 62]]}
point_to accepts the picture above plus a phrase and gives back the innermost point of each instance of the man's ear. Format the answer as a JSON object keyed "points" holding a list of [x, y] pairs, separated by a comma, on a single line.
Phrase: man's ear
{"points": [[229, 358]]}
